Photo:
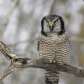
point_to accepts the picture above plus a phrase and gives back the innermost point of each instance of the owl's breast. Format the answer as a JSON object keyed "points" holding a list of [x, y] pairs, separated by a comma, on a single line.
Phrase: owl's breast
{"points": [[47, 48], [54, 48]]}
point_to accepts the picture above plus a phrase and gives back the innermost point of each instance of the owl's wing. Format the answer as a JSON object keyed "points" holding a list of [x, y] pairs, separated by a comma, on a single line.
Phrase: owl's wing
{"points": [[38, 44]]}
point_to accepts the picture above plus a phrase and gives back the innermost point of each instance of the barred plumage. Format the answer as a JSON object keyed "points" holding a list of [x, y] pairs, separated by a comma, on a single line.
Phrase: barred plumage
{"points": [[55, 48]]}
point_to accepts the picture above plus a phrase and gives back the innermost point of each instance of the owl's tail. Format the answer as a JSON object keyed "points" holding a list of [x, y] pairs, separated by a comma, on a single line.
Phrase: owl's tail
{"points": [[52, 76]]}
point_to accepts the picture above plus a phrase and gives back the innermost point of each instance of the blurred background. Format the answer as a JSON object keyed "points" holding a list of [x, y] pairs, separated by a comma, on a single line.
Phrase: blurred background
{"points": [[20, 27]]}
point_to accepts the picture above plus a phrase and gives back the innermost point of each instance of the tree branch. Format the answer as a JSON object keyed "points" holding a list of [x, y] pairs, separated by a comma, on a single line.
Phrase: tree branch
{"points": [[17, 62], [6, 72]]}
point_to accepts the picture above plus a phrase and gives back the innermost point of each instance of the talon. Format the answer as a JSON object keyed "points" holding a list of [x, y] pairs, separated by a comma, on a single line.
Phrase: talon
{"points": [[54, 61]]}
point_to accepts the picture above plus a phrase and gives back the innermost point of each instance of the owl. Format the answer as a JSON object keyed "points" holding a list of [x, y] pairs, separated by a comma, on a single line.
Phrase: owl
{"points": [[53, 45]]}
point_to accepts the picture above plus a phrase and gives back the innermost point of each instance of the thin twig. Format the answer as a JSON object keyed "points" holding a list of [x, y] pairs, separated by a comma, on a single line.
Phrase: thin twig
{"points": [[3, 27], [52, 6], [16, 43]]}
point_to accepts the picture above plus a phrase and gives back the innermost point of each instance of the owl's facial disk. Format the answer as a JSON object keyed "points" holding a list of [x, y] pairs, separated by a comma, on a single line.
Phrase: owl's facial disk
{"points": [[52, 24]]}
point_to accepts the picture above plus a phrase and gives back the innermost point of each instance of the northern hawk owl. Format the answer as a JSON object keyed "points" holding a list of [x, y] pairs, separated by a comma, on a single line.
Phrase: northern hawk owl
{"points": [[53, 44]]}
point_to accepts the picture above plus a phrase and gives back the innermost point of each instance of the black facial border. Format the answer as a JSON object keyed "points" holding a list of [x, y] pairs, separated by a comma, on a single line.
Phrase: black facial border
{"points": [[62, 26]]}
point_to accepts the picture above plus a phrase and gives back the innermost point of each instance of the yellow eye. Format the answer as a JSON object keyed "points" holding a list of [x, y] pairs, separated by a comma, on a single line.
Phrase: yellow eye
{"points": [[55, 22], [47, 22]]}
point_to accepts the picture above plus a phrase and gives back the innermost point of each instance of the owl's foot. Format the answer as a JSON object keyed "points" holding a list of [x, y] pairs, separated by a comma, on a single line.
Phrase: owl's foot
{"points": [[52, 61], [60, 63]]}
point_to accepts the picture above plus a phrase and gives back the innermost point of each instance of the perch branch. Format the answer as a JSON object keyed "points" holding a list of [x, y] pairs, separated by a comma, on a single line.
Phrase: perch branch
{"points": [[17, 62]]}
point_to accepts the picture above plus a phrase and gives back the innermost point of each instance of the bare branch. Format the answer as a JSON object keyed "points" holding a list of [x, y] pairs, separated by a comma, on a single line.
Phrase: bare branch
{"points": [[77, 71], [6, 72], [35, 63], [6, 51], [3, 27]]}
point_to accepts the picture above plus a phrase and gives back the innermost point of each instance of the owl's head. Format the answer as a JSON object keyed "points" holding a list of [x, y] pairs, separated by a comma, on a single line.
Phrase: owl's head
{"points": [[52, 24]]}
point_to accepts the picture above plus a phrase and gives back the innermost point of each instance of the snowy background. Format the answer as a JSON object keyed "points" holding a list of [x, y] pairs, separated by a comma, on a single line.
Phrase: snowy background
{"points": [[22, 30]]}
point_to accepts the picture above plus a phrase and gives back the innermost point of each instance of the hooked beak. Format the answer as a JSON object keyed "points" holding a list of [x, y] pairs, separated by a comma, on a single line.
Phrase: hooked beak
{"points": [[51, 25]]}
